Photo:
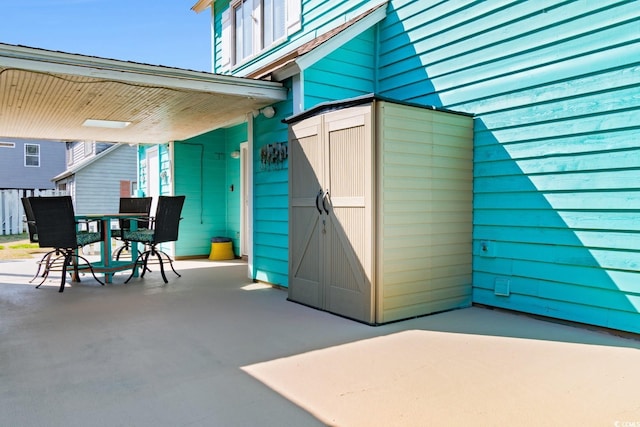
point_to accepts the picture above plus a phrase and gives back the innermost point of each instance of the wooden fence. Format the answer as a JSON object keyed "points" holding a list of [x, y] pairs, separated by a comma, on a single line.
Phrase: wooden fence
{"points": [[11, 211]]}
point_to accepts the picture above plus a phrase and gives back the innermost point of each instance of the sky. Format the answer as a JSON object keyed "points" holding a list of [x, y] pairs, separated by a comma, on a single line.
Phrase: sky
{"points": [[156, 32]]}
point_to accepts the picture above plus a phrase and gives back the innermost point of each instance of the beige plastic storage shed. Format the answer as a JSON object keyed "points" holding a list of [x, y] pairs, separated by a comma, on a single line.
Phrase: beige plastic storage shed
{"points": [[380, 205]]}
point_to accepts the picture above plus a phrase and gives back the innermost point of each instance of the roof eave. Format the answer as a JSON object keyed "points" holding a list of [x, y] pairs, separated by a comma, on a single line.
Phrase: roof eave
{"points": [[110, 69], [201, 5]]}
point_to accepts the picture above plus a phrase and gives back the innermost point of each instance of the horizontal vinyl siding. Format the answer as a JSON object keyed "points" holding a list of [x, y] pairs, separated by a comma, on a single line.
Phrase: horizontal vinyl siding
{"points": [[553, 86], [271, 202], [97, 186], [234, 136], [346, 73], [426, 200], [200, 169]]}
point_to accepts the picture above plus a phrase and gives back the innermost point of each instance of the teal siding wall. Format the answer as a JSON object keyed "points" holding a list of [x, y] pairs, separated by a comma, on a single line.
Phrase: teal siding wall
{"points": [[346, 73], [204, 172], [200, 174], [270, 201], [234, 137], [554, 88]]}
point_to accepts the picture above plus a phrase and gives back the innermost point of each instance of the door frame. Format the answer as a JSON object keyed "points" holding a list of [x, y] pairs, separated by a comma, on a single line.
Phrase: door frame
{"points": [[153, 174]]}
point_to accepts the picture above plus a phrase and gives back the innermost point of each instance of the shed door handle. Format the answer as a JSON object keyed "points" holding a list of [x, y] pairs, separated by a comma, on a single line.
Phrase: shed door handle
{"points": [[317, 199], [324, 198]]}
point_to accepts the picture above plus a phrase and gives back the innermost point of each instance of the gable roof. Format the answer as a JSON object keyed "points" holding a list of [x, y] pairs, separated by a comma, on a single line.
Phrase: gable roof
{"points": [[48, 95], [75, 168]]}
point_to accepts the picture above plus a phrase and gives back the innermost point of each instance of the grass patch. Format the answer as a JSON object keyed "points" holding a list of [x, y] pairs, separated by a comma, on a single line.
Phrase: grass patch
{"points": [[6, 238], [17, 246], [23, 246]]}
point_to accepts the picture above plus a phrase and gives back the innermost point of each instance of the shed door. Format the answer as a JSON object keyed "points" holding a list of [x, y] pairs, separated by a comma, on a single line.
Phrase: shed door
{"points": [[330, 213], [347, 241], [305, 255]]}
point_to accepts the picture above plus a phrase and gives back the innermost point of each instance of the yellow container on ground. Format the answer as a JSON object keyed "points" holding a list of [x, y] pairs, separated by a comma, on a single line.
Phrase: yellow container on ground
{"points": [[221, 251]]}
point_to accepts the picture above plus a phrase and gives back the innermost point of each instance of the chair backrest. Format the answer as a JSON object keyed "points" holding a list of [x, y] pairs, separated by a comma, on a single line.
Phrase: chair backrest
{"points": [[31, 220], [167, 218], [55, 221], [138, 205]]}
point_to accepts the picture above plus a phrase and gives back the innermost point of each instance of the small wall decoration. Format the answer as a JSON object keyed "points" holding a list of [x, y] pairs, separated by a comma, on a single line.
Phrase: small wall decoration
{"points": [[272, 156]]}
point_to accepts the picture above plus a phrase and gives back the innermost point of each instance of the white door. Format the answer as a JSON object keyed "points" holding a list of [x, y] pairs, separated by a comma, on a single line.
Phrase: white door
{"points": [[153, 177]]}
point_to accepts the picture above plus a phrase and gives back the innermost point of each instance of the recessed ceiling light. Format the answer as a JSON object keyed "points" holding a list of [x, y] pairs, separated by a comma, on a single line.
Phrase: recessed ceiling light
{"points": [[111, 124]]}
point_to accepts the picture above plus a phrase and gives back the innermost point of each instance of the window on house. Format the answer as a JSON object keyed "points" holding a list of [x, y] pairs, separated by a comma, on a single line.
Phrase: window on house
{"points": [[32, 155], [257, 25], [273, 18], [7, 144], [69, 147], [88, 148]]}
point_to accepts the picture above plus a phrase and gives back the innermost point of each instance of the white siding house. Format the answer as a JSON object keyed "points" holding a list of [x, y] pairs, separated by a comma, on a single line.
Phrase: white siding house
{"points": [[97, 182]]}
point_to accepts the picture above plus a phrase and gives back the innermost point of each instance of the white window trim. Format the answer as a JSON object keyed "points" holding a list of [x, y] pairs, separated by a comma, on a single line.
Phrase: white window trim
{"points": [[31, 155], [292, 23]]}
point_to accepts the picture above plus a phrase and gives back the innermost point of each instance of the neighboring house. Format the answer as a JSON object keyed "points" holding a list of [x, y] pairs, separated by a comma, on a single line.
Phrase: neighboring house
{"points": [[98, 174], [27, 164], [26, 169], [552, 86]]}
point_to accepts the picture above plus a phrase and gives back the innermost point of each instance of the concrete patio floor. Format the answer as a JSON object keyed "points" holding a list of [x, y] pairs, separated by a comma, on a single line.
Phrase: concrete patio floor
{"points": [[214, 349]]}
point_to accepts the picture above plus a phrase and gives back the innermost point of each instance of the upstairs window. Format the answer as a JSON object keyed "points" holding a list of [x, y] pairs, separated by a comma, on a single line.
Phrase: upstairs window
{"points": [[273, 17], [257, 25], [251, 26], [32, 155]]}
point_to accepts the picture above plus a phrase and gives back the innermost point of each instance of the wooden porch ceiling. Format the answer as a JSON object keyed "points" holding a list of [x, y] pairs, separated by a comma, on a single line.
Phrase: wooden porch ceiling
{"points": [[49, 95]]}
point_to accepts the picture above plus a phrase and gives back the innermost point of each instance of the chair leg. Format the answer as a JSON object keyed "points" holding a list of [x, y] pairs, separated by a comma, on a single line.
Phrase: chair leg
{"points": [[157, 254], [91, 269], [68, 258], [143, 260], [146, 261], [135, 265], [120, 249], [170, 262], [47, 267], [44, 260]]}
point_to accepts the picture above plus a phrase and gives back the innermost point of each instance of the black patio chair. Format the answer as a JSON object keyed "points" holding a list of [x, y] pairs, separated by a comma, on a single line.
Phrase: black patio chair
{"points": [[164, 229], [136, 205], [33, 235], [57, 228]]}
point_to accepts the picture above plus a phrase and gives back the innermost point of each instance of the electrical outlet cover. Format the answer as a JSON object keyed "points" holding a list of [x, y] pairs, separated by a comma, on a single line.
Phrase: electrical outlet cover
{"points": [[487, 248]]}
